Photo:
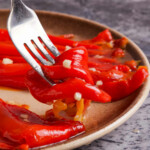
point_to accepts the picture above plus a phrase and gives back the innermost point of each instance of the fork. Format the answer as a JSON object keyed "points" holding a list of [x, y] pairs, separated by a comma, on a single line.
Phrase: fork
{"points": [[26, 32]]}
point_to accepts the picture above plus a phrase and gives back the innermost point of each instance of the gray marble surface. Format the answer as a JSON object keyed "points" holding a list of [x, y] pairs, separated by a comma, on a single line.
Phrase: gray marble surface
{"points": [[132, 18]]}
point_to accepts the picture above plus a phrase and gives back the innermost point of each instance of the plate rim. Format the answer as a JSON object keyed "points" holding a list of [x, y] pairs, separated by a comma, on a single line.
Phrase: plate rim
{"points": [[121, 118]]}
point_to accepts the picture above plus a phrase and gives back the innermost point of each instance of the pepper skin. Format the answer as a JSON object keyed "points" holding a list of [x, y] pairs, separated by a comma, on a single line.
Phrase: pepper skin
{"points": [[35, 131], [16, 82], [16, 69], [8, 49], [16, 59], [104, 36], [79, 67], [122, 88], [4, 36], [44, 92]]}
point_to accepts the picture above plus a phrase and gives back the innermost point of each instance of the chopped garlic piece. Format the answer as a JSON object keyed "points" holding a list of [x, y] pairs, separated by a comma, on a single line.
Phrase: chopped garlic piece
{"points": [[99, 82], [7, 61], [67, 63], [77, 96], [92, 69], [67, 48], [24, 116]]}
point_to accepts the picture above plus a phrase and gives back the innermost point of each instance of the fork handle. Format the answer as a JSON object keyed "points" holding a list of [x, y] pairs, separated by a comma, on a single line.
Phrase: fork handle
{"points": [[16, 3], [20, 10]]}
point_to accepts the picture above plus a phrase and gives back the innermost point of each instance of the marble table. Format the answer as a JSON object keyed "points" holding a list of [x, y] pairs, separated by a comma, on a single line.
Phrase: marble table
{"points": [[132, 18]]}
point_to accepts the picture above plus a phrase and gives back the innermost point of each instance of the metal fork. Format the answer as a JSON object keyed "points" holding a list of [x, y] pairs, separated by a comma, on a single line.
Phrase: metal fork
{"points": [[26, 31]]}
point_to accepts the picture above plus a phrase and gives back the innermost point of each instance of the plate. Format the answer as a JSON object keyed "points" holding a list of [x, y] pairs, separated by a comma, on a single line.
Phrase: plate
{"points": [[103, 117]]}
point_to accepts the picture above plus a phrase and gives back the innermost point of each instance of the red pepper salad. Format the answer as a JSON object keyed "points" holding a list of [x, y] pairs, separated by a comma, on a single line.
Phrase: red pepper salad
{"points": [[85, 71]]}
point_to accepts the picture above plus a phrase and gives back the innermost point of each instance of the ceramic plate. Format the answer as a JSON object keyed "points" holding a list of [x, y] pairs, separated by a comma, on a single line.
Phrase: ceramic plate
{"points": [[100, 119]]}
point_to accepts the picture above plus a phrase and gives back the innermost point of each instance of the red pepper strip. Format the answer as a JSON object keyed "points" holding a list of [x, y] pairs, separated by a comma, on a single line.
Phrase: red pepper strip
{"points": [[62, 41], [132, 64], [104, 52], [121, 89], [22, 147], [58, 72], [118, 52], [13, 82], [100, 66], [4, 36], [102, 36], [79, 68], [60, 47], [65, 42], [138, 78], [108, 66], [123, 68], [105, 76], [43, 92], [110, 73], [120, 43], [89, 46], [16, 69], [4, 146], [16, 59], [32, 133], [8, 49], [104, 59], [78, 56]]}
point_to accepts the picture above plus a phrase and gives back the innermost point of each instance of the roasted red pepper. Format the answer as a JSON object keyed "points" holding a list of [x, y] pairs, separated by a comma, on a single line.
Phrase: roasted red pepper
{"points": [[15, 59], [44, 92], [121, 43], [102, 63], [104, 36], [16, 69], [12, 75], [8, 49], [4, 36], [110, 75], [122, 88], [31, 129], [79, 68], [107, 68], [118, 52], [62, 41], [121, 67], [68, 42], [13, 82], [132, 64], [66, 90], [97, 59]]}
